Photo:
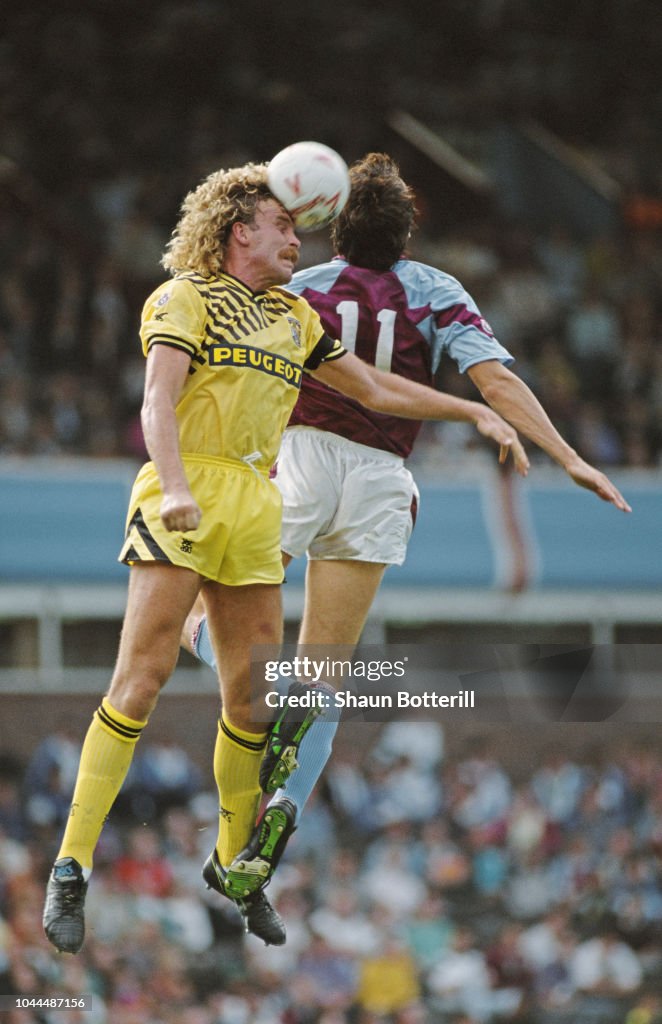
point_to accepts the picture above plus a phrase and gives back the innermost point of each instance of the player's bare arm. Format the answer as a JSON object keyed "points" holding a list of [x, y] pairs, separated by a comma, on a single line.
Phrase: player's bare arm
{"points": [[515, 401], [167, 369], [393, 394]]}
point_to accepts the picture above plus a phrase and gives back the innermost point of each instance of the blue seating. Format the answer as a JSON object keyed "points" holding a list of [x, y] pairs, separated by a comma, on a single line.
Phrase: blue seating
{"points": [[65, 524]]}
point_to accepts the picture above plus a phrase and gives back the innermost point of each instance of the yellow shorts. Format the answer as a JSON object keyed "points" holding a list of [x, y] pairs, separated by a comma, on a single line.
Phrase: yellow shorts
{"points": [[238, 539]]}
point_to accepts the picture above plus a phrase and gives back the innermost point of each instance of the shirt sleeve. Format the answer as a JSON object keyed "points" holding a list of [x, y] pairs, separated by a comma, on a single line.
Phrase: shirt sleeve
{"points": [[320, 348], [325, 351], [174, 315], [462, 332]]}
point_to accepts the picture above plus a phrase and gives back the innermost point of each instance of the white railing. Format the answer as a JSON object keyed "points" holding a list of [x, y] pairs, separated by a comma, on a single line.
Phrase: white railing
{"points": [[33, 619]]}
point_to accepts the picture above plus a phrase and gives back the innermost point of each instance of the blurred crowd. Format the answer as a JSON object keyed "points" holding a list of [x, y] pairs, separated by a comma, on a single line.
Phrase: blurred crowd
{"points": [[418, 889], [583, 321], [103, 132]]}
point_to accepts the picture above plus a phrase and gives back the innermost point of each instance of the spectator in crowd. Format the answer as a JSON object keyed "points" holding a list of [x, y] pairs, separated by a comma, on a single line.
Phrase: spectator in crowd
{"points": [[604, 965], [143, 870], [460, 981], [388, 981]]}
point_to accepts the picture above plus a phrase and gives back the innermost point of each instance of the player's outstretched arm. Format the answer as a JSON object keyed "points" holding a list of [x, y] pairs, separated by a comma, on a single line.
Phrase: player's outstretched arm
{"points": [[397, 396], [515, 401]]}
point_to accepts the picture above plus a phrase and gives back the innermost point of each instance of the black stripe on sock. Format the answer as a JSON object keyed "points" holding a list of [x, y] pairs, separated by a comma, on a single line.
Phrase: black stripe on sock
{"points": [[242, 743], [129, 731]]}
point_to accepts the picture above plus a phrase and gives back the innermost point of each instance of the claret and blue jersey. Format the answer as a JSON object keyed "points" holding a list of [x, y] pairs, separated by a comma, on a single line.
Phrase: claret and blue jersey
{"points": [[400, 321]]}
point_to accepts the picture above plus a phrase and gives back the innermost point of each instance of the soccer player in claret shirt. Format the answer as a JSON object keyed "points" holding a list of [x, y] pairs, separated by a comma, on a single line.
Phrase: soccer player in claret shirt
{"points": [[226, 348], [348, 499]]}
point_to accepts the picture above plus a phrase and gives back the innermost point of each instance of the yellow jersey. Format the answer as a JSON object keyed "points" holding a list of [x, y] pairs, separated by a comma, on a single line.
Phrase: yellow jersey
{"points": [[248, 353]]}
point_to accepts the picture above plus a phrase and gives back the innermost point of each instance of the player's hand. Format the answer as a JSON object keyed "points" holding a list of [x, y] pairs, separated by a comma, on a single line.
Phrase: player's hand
{"points": [[180, 511], [492, 426], [593, 480]]}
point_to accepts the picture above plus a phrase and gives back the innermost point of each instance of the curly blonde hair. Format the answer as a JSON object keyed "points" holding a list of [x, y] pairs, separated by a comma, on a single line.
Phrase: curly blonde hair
{"points": [[200, 237]]}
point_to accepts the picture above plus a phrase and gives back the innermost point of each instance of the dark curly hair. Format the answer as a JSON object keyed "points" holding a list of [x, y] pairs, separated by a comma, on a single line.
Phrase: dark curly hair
{"points": [[373, 228]]}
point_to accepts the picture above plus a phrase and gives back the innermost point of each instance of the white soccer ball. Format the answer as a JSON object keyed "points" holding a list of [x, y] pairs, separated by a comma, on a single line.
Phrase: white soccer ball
{"points": [[311, 181]]}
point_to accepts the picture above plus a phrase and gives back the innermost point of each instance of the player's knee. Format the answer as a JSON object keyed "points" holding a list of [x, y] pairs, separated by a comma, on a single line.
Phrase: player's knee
{"points": [[133, 699], [138, 687]]}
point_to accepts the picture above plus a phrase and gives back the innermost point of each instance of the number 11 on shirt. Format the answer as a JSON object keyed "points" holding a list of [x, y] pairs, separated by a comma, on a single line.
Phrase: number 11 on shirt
{"points": [[348, 311]]}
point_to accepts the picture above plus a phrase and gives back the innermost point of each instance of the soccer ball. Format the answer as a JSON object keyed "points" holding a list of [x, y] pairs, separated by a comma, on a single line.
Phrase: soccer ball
{"points": [[311, 181]]}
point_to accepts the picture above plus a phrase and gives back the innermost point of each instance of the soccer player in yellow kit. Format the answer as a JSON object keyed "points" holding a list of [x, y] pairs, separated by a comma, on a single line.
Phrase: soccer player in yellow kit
{"points": [[226, 348]]}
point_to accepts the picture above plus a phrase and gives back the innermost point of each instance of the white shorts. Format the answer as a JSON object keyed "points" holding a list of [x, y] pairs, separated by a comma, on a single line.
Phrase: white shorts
{"points": [[344, 500]]}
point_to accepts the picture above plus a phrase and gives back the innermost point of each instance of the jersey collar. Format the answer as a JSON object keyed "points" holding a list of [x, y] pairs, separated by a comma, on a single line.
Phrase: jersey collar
{"points": [[242, 284]]}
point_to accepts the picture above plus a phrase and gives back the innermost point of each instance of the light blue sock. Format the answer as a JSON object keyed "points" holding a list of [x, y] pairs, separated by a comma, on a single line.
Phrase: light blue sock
{"points": [[202, 647], [316, 745], [314, 752]]}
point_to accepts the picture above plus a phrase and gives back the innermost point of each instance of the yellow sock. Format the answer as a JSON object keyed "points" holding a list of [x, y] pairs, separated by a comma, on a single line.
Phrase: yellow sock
{"points": [[104, 761], [237, 758]]}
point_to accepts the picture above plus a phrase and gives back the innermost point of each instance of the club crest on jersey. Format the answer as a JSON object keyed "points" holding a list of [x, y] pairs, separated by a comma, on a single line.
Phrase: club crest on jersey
{"points": [[164, 298], [295, 329]]}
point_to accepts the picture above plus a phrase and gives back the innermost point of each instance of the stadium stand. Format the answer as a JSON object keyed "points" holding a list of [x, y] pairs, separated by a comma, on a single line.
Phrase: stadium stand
{"points": [[524, 887]]}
